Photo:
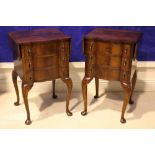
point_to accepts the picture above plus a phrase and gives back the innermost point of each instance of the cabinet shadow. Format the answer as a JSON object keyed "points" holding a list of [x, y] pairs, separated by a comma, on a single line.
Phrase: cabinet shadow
{"points": [[48, 106], [114, 101]]}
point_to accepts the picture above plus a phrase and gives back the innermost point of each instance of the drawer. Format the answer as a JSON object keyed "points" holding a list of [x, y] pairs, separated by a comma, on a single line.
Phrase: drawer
{"points": [[114, 74], [45, 74], [107, 73], [41, 62], [116, 49], [44, 49], [108, 48], [102, 48], [111, 61], [102, 59], [115, 62]]}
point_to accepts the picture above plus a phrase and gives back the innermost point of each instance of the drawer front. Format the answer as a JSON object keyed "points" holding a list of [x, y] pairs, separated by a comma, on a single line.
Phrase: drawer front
{"points": [[116, 49], [45, 74], [113, 74], [107, 73], [108, 48], [102, 53], [42, 62], [45, 61], [102, 59], [46, 68], [108, 54], [44, 49], [109, 61], [115, 62], [103, 48]]}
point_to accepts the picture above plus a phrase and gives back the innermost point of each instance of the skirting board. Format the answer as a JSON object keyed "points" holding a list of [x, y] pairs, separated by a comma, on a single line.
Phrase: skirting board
{"points": [[145, 81]]}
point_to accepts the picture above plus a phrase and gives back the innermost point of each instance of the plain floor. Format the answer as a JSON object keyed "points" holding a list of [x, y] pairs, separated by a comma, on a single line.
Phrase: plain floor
{"points": [[103, 113]]}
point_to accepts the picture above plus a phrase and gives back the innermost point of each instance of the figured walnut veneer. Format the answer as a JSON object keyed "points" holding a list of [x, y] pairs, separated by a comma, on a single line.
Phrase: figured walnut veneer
{"points": [[111, 55], [40, 55]]}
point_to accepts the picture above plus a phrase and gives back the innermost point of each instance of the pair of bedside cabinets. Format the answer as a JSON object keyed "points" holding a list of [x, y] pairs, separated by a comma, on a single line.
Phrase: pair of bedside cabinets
{"points": [[43, 55]]}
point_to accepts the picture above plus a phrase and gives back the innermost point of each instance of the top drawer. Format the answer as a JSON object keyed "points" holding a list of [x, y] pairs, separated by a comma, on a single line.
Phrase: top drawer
{"points": [[44, 49], [108, 48]]}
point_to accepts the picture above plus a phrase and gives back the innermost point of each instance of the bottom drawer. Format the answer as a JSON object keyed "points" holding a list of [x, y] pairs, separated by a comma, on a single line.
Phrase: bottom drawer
{"points": [[46, 74], [108, 74]]}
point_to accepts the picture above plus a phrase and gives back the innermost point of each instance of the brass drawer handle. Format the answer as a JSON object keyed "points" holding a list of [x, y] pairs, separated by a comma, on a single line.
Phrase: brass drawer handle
{"points": [[124, 63], [29, 51], [91, 45], [126, 50]]}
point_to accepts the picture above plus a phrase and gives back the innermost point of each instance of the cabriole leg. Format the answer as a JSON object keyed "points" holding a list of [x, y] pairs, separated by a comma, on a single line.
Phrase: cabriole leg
{"points": [[25, 89], [127, 90], [14, 79], [134, 79], [69, 84], [85, 82]]}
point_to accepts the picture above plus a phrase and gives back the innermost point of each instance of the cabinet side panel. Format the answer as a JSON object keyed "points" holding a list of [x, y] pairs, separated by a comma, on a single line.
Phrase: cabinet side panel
{"points": [[64, 53], [134, 60], [89, 50], [26, 54], [17, 58], [127, 63]]}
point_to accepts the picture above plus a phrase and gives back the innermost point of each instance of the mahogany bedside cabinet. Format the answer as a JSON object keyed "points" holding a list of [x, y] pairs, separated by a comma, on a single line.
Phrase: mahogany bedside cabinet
{"points": [[111, 55], [40, 55]]}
